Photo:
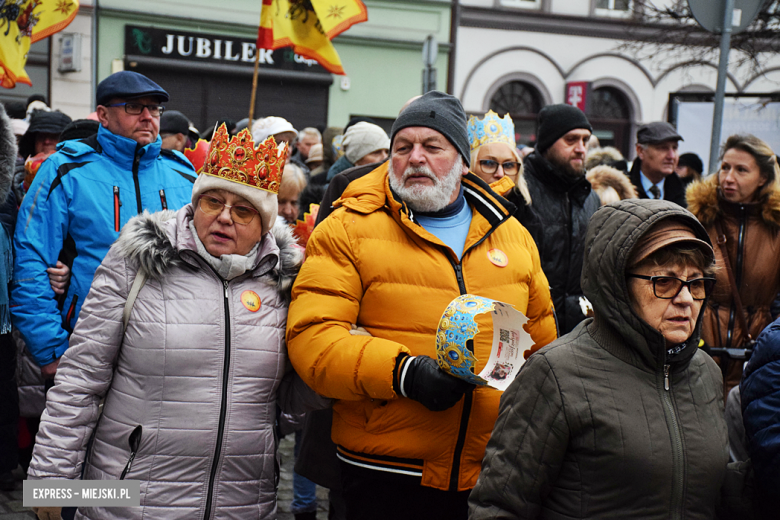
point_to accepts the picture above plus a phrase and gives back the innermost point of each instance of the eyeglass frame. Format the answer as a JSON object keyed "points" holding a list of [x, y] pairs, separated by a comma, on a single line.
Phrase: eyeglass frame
{"points": [[156, 107], [230, 210], [683, 283], [484, 169]]}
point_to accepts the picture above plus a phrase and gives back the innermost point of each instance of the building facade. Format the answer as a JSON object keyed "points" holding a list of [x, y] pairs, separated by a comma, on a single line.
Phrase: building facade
{"points": [[517, 56]]}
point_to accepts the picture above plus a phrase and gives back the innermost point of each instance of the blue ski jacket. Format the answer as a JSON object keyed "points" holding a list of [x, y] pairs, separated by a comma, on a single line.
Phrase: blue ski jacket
{"points": [[81, 197]]}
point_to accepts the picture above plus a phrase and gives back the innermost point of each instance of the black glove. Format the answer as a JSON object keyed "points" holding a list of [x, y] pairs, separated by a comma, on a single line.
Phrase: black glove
{"points": [[421, 379]]}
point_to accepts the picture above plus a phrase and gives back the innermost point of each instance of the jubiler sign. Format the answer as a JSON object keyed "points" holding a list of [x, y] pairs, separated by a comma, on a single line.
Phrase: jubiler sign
{"points": [[210, 48]]}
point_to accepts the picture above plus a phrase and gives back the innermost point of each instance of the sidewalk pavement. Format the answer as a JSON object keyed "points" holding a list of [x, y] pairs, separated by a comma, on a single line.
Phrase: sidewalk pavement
{"points": [[11, 501]]}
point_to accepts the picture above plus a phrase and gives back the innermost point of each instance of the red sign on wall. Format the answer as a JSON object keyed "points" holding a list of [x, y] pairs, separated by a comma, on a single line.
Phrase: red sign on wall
{"points": [[578, 94]]}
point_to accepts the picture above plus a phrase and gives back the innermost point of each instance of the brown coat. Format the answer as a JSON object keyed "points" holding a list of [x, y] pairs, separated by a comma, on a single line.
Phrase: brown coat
{"points": [[755, 262]]}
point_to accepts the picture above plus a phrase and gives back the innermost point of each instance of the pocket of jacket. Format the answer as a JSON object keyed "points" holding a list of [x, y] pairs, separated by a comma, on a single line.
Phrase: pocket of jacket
{"points": [[117, 205], [134, 440], [71, 312]]}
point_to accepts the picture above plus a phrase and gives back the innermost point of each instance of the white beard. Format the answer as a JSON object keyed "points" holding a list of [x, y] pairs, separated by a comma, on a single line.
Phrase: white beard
{"points": [[426, 199]]}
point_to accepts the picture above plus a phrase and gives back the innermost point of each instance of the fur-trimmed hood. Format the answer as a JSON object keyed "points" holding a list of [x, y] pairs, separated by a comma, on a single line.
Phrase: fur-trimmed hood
{"points": [[603, 176], [599, 156], [8, 152], [155, 241], [705, 203]]}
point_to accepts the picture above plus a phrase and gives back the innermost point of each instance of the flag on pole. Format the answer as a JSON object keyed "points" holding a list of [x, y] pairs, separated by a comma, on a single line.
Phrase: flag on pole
{"points": [[308, 26], [23, 22]]}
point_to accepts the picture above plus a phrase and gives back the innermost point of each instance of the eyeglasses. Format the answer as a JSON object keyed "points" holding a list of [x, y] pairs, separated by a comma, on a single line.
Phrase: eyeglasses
{"points": [[240, 214], [668, 287], [490, 166], [136, 109]]}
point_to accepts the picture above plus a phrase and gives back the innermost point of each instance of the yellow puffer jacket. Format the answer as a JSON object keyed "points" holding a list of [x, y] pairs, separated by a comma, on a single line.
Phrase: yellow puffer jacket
{"points": [[371, 265]]}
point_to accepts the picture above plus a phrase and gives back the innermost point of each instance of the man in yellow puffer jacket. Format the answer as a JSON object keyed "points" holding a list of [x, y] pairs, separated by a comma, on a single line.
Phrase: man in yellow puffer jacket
{"points": [[403, 242]]}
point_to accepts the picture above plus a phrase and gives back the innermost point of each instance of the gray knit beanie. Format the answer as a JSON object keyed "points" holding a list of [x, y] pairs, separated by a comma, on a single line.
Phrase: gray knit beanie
{"points": [[441, 112], [555, 121]]}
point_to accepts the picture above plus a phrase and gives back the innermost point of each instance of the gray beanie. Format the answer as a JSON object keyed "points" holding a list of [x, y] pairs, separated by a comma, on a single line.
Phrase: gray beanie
{"points": [[441, 112], [555, 121], [362, 139]]}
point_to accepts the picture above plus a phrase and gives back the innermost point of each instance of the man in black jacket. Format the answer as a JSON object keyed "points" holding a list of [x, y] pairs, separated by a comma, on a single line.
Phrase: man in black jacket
{"points": [[653, 172], [563, 201]]}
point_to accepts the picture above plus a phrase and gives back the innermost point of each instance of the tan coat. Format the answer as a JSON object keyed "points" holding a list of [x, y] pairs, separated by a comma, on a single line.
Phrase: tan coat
{"points": [[755, 261]]}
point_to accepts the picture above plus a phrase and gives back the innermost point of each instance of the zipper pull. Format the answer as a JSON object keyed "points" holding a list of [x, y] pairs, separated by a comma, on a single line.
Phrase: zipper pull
{"points": [[226, 290], [666, 377]]}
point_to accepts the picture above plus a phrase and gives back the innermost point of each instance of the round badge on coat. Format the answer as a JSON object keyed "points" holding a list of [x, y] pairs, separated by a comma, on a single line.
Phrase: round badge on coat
{"points": [[251, 300], [498, 257]]}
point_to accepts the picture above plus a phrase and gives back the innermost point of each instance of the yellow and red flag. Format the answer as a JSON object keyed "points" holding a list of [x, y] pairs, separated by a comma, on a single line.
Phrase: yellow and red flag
{"points": [[308, 26], [23, 22]]}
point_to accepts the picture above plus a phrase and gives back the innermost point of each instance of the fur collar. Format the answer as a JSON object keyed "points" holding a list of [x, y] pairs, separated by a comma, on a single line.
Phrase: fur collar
{"points": [[704, 202], [603, 176], [146, 240]]}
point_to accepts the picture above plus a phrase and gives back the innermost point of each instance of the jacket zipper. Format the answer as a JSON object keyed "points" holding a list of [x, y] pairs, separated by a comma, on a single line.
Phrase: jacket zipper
{"points": [[737, 279], [678, 464], [163, 201], [136, 163], [223, 404], [468, 398], [117, 205], [71, 310]]}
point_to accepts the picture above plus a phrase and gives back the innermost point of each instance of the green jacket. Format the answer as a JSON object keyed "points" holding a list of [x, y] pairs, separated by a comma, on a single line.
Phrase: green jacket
{"points": [[589, 429]]}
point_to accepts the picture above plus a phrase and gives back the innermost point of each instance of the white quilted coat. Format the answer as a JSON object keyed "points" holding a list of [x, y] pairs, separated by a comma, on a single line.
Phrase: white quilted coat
{"points": [[198, 370]]}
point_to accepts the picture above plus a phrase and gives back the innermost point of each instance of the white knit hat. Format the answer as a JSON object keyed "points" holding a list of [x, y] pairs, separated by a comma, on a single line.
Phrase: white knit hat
{"points": [[262, 129], [362, 139]]}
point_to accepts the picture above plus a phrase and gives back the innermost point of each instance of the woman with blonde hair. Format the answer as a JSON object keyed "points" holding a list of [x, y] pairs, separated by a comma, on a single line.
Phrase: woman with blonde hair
{"points": [[494, 156], [740, 208]]}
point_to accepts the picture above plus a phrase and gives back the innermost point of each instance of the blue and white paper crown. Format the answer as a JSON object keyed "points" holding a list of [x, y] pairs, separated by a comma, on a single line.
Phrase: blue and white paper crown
{"points": [[491, 129]]}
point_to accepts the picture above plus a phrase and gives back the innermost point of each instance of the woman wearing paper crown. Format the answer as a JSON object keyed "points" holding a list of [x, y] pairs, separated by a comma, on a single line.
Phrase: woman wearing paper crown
{"points": [[494, 156], [192, 384], [623, 416]]}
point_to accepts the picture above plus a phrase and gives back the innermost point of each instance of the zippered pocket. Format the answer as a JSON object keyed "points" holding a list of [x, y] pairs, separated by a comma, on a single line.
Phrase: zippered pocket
{"points": [[163, 201], [117, 205], [135, 442], [71, 312]]}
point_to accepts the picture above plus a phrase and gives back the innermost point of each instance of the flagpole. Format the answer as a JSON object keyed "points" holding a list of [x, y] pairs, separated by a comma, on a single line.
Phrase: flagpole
{"points": [[254, 78]]}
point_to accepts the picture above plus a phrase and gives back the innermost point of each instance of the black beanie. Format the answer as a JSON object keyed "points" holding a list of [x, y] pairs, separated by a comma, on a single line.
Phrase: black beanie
{"points": [[441, 112], [555, 121]]}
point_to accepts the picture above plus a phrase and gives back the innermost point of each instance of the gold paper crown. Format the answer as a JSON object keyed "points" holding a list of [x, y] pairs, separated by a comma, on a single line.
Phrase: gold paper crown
{"points": [[236, 159]]}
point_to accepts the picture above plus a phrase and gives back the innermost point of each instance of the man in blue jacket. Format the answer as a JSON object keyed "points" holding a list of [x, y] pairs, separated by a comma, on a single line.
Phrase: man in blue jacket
{"points": [[79, 201]]}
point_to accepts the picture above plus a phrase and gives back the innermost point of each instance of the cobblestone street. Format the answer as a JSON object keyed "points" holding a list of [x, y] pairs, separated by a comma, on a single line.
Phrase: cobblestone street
{"points": [[11, 501]]}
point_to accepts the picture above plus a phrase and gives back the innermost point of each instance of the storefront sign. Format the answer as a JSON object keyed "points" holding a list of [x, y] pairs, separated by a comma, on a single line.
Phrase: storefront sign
{"points": [[210, 48], [578, 94]]}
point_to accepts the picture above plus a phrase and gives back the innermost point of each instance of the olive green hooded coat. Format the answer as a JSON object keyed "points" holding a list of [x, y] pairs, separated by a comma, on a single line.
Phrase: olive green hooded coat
{"points": [[593, 427]]}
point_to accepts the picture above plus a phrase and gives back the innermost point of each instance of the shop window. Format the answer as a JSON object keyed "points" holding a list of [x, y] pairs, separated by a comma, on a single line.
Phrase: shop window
{"points": [[610, 116], [522, 101]]}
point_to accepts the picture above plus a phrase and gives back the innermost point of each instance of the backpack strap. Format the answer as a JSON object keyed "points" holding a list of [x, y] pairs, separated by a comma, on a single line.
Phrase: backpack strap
{"points": [[138, 283]]}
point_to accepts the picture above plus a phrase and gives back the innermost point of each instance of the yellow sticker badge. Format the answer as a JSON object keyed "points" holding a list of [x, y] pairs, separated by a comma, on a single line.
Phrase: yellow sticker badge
{"points": [[498, 257], [251, 300]]}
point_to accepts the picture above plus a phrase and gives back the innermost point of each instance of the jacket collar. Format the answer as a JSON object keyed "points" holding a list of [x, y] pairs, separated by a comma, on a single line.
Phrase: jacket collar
{"points": [[122, 151], [372, 192], [578, 188]]}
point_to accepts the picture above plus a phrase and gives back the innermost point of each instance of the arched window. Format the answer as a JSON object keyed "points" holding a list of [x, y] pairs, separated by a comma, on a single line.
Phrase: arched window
{"points": [[610, 116], [522, 101]]}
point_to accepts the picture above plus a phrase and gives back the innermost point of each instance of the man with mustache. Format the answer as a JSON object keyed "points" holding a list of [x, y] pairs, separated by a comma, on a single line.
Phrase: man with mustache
{"points": [[564, 202], [81, 197], [653, 171], [402, 242]]}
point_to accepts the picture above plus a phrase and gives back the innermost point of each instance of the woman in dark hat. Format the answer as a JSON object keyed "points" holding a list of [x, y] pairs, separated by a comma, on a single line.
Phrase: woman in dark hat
{"points": [[39, 142]]}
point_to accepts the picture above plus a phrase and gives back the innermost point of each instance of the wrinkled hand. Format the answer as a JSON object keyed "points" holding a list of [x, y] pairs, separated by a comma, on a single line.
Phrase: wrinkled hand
{"points": [[48, 513], [421, 379], [48, 371], [58, 277], [359, 331]]}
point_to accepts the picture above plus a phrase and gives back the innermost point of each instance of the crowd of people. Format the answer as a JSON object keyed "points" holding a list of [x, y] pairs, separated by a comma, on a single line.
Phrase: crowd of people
{"points": [[174, 301]]}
